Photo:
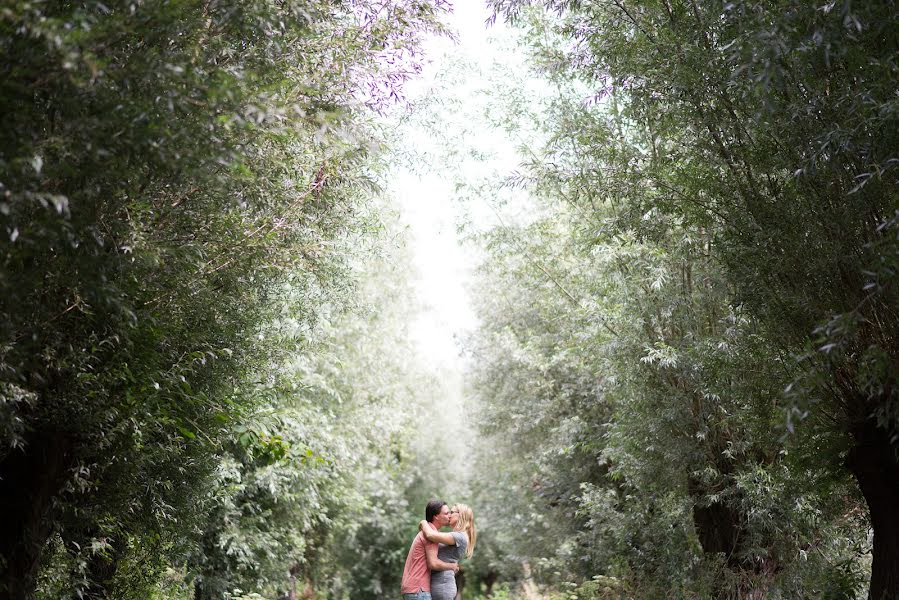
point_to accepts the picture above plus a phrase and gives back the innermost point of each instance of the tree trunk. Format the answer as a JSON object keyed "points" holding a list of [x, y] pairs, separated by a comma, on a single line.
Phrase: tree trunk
{"points": [[30, 479], [489, 582], [873, 462], [717, 525], [292, 586]]}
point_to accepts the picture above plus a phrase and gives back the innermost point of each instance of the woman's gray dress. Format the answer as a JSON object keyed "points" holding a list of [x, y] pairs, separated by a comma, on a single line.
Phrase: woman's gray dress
{"points": [[443, 583]]}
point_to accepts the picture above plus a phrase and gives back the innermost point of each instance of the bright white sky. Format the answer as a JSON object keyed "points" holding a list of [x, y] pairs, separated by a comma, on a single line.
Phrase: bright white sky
{"points": [[443, 265], [454, 93]]}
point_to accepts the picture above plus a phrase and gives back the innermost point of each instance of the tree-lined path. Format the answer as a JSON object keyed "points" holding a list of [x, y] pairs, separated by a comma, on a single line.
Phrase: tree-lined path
{"points": [[621, 276]]}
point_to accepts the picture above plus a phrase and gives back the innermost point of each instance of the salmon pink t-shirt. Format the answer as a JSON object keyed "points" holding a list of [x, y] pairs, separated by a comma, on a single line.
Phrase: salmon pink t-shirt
{"points": [[416, 574]]}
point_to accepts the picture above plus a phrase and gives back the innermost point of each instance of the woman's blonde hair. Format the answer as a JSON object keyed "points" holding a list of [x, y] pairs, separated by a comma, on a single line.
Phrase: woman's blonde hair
{"points": [[466, 525]]}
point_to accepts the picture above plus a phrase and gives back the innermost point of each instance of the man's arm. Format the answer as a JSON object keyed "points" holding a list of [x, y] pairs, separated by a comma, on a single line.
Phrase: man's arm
{"points": [[433, 535], [435, 564]]}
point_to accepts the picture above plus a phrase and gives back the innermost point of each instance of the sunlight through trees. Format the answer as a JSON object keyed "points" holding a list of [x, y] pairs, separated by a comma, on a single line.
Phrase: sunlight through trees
{"points": [[682, 378]]}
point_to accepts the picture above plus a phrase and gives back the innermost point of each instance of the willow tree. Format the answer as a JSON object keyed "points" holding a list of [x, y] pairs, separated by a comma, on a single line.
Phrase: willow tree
{"points": [[312, 492], [628, 417], [773, 126], [171, 176]]}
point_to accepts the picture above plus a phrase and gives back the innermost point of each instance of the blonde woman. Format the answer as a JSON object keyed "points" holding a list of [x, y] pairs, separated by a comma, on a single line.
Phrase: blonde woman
{"points": [[451, 547]]}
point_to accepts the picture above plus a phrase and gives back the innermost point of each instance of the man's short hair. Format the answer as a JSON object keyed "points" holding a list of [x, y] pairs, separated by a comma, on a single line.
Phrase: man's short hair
{"points": [[433, 509]]}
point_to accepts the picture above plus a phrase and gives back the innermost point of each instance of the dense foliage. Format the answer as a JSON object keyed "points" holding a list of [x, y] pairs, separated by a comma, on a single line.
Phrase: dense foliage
{"points": [[694, 342], [182, 188], [322, 482], [684, 378]]}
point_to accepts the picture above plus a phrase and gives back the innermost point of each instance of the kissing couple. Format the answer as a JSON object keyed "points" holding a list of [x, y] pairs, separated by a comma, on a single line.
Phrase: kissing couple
{"points": [[433, 559]]}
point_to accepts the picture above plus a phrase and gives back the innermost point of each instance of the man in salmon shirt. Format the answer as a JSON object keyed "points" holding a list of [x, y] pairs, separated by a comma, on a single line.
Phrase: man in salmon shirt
{"points": [[422, 557]]}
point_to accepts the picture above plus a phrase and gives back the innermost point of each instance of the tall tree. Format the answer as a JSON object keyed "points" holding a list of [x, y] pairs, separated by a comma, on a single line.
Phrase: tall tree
{"points": [[316, 483], [170, 174], [772, 126], [629, 422]]}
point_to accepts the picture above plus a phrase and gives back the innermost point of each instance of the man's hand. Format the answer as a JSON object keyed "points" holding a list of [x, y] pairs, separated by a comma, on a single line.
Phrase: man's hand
{"points": [[421, 524], [456, 568]]}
